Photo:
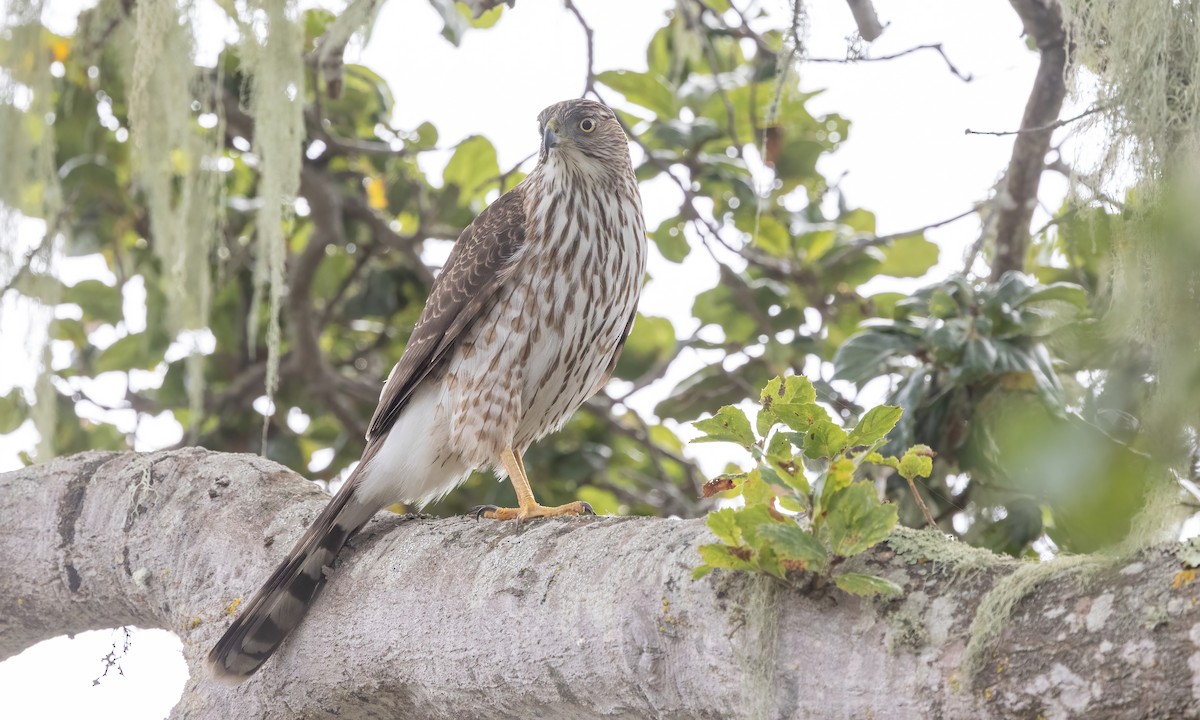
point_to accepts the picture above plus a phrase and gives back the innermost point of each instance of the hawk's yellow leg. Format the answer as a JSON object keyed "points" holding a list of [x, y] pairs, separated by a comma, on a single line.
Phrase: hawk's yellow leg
{"points": [[529, 507]]}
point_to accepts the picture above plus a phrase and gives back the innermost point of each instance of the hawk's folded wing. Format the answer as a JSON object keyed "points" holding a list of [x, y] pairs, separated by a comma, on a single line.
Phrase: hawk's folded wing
{"points": [[466, 287]]}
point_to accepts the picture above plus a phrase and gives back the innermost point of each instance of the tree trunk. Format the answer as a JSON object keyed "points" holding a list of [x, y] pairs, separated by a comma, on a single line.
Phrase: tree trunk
{"points": [[1042, 20], [579, 617]]}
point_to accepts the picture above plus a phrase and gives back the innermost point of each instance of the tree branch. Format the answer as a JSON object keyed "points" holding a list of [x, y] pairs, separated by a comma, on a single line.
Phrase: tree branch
{"points": [[1043, 21], [579, 618], [867, 20]]}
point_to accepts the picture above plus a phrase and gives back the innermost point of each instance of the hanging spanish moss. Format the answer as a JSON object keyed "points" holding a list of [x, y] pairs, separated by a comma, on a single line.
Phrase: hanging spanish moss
{"points": [[174, 158], [1146, 68], [270, 52], [29, 186]]}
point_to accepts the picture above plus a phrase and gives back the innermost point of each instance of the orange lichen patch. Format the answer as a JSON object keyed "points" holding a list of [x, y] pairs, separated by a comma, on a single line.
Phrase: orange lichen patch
{"points": [[1182, 578], [232, 607]]}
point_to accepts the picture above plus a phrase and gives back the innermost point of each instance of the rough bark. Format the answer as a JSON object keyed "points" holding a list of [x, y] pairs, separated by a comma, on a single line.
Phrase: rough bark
{"points": [[1042, 20], [578, 618]]}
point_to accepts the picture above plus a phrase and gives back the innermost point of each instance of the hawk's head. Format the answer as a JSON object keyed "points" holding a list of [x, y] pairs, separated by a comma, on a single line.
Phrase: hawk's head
{"points": [[583, 129]]}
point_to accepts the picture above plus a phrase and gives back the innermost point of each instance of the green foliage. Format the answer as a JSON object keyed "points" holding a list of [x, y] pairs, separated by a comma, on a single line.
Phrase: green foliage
{"points": [[977, 380], [828, 519], [1033, 391]]}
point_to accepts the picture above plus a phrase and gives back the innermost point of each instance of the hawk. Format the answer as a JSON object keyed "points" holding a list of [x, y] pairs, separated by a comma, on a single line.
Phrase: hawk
{"points": [[523, 324]]}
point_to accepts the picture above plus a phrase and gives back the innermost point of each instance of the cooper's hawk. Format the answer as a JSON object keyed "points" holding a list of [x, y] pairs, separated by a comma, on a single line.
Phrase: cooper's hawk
{"points": [[524, 323]]}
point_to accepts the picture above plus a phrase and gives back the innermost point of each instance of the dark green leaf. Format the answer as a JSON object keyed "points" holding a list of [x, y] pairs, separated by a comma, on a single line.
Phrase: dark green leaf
{"points": [[868, 354]]}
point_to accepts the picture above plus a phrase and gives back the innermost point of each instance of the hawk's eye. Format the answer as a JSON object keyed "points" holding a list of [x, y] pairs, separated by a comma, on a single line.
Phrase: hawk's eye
{"points": [[587, 125]]}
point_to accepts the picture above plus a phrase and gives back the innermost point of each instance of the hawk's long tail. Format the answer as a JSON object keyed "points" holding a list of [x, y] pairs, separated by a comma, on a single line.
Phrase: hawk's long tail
{"points": [[280, 604]]}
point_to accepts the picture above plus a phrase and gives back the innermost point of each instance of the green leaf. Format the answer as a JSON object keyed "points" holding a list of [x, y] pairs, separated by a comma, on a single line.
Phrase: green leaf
{"points": [[865, 355], [791, 542], [756, 491], [779, 449], [13, 411], [824, 440], [792, 389], [839, 476], [652, 341], [723, 556], [875, 425], [129, 353], [909, 256], [856, 519], [649, 91], [701, 570], [671, 241], [728, 425], [1059, 292], [719, 306], [866, 585], [800, 417], [791, 504], [472, 167], [723, 524], [97, 300], [917, 462]]}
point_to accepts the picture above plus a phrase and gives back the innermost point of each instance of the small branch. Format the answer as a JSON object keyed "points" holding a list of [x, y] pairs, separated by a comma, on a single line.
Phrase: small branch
{"points": [[936, 47], [865, 17], [589, 85], [1051, 126]]}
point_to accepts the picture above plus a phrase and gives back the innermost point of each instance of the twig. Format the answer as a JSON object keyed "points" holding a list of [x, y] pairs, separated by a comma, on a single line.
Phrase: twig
{"points": [[937, 47], [1051, 126], [589, 85]]}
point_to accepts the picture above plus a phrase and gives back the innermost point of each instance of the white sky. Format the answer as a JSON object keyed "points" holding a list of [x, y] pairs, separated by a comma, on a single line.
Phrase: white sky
{"points": [[907, 159]]}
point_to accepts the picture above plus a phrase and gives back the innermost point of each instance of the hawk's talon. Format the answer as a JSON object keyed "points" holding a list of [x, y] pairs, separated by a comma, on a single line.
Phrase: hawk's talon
{"points": [[479, 510]]}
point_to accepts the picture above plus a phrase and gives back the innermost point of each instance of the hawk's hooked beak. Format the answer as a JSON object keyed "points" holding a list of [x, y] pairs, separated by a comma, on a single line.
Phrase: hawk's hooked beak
{"points": [[549, 139]]}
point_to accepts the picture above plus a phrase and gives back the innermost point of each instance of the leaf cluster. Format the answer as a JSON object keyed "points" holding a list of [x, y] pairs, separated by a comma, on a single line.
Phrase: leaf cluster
{"points": [[805, 505]]}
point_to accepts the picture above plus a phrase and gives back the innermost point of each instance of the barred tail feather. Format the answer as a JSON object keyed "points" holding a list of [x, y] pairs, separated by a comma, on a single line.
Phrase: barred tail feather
{"points": [[280, 604]]}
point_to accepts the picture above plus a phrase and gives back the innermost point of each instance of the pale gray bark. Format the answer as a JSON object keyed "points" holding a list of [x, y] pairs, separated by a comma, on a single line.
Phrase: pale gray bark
{"points": [[574, 618]]}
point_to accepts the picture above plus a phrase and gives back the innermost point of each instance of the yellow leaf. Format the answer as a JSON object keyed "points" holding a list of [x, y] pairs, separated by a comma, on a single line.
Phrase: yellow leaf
{"points": [[376, 194], [60, 48]]}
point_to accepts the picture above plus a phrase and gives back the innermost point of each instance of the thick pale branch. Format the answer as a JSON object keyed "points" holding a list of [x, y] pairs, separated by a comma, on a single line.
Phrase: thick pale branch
{"points": [[578, 618]]}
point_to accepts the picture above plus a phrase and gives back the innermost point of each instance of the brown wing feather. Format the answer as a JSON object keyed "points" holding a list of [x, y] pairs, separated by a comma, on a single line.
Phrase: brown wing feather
{"points": [[460, 294]]}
